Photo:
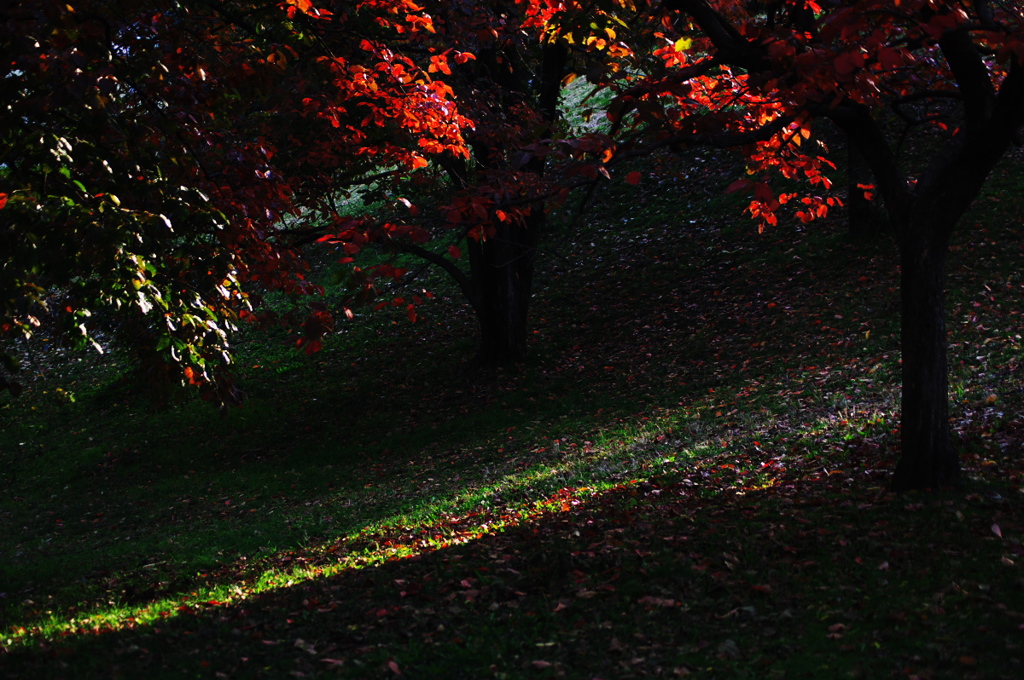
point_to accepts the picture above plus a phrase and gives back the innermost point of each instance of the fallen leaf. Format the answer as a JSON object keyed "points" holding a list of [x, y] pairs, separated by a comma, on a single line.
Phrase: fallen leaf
{"points": [[728, 650], [305, 646], [997, 531]]}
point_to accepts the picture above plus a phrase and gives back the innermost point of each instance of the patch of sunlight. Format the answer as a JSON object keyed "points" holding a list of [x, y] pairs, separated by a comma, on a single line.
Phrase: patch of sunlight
{"points": [[630, 453]]}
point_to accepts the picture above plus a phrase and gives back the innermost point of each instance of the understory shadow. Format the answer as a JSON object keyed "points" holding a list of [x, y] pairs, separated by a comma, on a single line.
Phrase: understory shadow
{"points": [[650, 579]]}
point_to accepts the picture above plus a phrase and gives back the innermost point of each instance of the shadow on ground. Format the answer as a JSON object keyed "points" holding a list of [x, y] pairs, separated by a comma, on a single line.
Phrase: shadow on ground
{"points": [[820, 574]]}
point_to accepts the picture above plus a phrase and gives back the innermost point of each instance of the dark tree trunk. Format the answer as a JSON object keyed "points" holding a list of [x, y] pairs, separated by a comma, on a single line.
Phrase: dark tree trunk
{"points": [[501, 267], [927, 459], [865, 217], [502, 274]]}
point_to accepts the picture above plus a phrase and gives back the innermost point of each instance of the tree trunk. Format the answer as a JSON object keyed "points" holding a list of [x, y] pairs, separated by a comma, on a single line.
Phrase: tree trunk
{"points": [[865, 218], [927, 459], [502, 271], [501, 267]]}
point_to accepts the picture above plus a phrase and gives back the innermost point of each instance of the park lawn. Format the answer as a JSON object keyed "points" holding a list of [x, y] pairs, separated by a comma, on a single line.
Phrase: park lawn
{"points": [[687, 478]]}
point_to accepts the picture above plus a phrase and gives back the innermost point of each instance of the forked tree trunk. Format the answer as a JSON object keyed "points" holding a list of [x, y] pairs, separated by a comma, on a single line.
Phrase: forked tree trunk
{"points": [[501, 267], [502, 270], [927, 459]]}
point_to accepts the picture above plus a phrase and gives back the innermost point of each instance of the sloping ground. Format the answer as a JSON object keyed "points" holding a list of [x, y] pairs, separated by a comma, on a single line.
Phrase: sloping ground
{"points": [[687, 479], [817, 574]]}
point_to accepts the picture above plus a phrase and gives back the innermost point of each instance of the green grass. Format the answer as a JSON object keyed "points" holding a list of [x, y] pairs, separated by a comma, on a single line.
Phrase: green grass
{"points": [[687, 477]]}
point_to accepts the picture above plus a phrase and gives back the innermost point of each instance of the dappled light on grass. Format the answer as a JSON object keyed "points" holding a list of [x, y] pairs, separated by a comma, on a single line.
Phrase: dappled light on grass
{"points": [[368, 549], [708, 571], [667, 449], [656, 450]]}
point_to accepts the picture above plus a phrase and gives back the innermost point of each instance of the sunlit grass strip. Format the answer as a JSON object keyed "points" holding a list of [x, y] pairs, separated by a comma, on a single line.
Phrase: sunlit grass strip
{"points": [[386, 547], [622, 456]]}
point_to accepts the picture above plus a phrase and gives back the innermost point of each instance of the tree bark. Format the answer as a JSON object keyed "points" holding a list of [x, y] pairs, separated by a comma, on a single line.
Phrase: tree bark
{"points": [[865, 218], [502, 266], [928, 459], [502, 272]]}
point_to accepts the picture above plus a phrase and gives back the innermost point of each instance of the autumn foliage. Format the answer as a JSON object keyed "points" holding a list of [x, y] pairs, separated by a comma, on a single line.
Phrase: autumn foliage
{"points": [[163, 161], [154, 153]]}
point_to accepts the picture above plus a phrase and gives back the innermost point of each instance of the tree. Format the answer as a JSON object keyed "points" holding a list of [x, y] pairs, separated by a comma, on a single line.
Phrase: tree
{"points": [[761, 73], [150, 151], [513, 89], [507, 84]]}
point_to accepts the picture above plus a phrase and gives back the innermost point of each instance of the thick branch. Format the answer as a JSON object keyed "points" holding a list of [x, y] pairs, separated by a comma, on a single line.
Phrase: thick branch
{"points": [[444, 263], [955, 178], [972, 77], [732, 47], [984, 10], [863, 131]]}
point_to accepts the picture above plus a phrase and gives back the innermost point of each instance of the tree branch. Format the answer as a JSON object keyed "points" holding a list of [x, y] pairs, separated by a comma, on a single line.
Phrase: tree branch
{"points": [[460, 277], [863, 131], [732, 47], [971, 76]]}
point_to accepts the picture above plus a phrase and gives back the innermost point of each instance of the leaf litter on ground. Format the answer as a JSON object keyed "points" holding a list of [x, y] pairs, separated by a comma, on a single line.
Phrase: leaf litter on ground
{"points": [[715, 506]]}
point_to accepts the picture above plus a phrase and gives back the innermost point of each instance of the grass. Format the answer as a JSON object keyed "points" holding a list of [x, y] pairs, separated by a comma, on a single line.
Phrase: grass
{"points": [[687, 478]]}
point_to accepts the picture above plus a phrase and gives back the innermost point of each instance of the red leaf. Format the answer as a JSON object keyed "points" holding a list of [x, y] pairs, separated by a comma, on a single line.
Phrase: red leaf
{"points": [[454, 252], [738, 185], [633, 178], [3, 201], [411, 311]]}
